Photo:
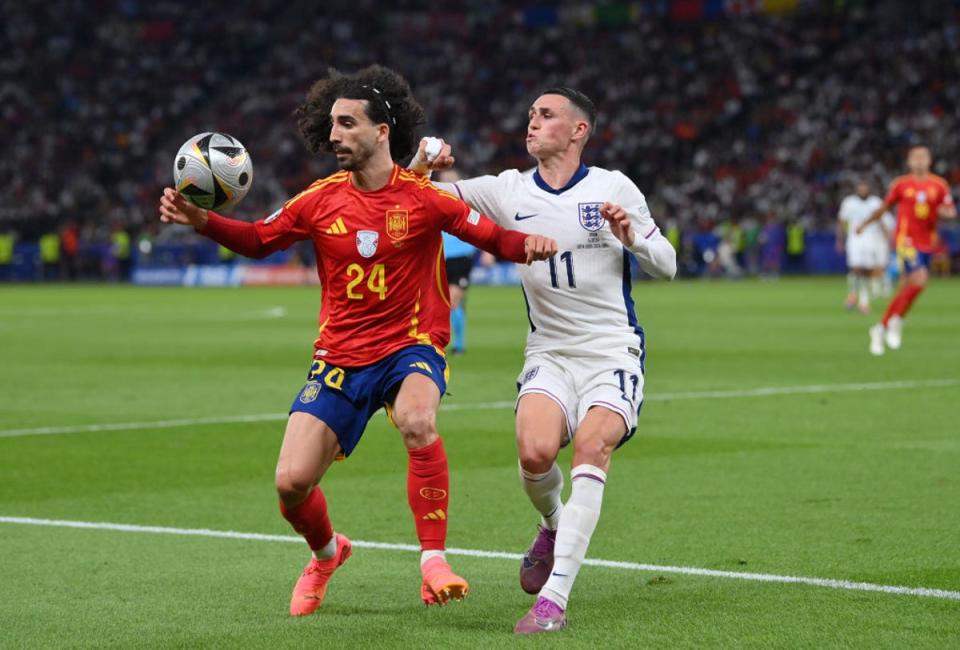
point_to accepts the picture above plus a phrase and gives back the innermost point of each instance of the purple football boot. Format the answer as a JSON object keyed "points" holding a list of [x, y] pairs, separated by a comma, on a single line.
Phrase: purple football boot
{"points": [[544, 616], [538, 561]]}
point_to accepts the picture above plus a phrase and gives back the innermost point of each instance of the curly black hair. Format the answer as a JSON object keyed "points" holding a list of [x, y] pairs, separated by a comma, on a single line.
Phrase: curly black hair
{"points": [[389, 101]]}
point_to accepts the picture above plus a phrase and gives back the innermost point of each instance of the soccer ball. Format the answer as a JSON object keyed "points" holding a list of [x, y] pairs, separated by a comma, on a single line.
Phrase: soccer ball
{"points": [[213, 171]]}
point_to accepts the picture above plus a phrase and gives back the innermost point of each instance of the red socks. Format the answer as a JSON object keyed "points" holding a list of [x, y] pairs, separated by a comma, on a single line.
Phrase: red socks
{"points": [[427, 484], [902, 302], [310, 519]]}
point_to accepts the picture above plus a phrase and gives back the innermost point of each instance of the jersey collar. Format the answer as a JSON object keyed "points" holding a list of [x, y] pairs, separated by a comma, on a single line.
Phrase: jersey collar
{"points": [[578, 176]]}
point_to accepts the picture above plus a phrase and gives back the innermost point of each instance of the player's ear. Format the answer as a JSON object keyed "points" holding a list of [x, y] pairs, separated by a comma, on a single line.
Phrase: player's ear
{"points": [[383, 132], [581, 130]]}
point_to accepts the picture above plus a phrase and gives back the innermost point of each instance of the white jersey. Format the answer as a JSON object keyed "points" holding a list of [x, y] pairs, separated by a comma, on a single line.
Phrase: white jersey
{"points": [[579, 301], [853, 212]]}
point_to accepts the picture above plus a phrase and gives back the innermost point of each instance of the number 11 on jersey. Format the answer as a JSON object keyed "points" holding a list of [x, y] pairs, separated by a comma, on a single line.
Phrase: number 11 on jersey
{"points": [[567, 258]]}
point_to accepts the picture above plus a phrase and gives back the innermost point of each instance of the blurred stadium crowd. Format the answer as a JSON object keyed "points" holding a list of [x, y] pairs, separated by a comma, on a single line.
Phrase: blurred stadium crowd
{"points": [[735, 121]]}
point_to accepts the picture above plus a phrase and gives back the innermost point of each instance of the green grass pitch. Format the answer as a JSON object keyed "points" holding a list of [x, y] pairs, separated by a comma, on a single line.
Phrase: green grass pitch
{"points": [[832, 482]]}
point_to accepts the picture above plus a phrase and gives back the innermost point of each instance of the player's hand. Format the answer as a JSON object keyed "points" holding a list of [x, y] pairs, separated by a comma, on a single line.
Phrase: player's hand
{"points": [[425, 162], [539, 248], [840, 246], [619, 222], [487, 259], [947, 211], [174, 208], [861, 228]]}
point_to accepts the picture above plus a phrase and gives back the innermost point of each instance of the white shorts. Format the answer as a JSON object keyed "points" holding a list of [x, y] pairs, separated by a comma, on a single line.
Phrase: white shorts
{"points": [[577, 383], [867, 255]]}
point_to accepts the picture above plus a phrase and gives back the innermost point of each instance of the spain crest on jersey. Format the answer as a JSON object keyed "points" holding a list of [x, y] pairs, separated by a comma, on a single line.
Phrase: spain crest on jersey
{"points": [[367, 241], [397, 223], [590, 217]]}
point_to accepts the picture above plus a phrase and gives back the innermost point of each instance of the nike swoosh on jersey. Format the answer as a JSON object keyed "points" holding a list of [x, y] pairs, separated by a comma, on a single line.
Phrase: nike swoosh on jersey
{"points": [[521, 217]]}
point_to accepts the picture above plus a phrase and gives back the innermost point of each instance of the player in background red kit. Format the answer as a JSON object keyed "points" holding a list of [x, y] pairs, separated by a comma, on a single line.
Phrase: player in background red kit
{"points": [[921, 198], [384, 315]]}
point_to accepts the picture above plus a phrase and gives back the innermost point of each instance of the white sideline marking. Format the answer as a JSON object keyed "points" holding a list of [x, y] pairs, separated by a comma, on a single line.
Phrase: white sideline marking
{"points": [[763, 391], [500, 555]]}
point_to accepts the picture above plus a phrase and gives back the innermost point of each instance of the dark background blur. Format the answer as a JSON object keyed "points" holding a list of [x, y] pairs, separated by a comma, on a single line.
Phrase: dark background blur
{"points": [[728, 114]]}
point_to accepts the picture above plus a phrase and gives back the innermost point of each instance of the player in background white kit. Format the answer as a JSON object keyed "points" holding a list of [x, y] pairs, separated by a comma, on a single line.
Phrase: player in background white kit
{"points": [[867, 252], [582, 380]]}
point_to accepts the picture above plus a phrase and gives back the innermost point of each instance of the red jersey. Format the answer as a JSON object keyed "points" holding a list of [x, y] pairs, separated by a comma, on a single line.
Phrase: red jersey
{"points": [[918, 203], [379, 258]]}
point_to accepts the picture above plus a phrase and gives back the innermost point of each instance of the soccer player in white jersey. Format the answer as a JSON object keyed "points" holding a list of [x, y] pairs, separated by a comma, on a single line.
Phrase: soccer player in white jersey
{"points": [[867, 252], [582, 379]]}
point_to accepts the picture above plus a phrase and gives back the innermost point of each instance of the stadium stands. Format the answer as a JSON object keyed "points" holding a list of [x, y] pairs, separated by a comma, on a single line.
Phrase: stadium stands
{"points": [[723, 120]]}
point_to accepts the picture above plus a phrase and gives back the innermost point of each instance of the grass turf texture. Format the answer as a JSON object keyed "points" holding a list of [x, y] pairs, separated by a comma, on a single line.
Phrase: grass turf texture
{"points": [[859, 486]]}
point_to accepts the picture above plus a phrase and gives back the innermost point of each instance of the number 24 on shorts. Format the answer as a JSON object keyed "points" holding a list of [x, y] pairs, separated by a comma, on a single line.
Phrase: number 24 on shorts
{"points": [[332, 375]]}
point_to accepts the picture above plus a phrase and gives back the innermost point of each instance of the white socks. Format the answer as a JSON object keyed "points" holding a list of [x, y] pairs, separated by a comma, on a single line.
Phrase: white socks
{"points": [[429, 555], [852, 283], [327, 551], [577, 522], [544, 493]]}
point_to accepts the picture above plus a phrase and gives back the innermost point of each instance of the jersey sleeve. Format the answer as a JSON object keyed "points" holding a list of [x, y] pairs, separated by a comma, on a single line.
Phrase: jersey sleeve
{"points": [[483, 193], [844, 213], [631, 199], [466, 223], [287, 225], [893, 195], [947, 195], [653, 251]]}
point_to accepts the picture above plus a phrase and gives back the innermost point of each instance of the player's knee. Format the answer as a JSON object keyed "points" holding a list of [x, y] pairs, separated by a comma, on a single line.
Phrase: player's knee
{"points": [[593, 450], [536, 453], [293, 486], [417, 425]]}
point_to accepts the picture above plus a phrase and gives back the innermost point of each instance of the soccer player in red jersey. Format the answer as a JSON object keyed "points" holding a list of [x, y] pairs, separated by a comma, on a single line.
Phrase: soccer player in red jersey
{"points": [[921, 198], [384, 314]]}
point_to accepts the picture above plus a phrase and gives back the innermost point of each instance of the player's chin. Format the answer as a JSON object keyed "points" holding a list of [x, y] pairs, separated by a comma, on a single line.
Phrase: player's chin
{"points": [[346, 162]]}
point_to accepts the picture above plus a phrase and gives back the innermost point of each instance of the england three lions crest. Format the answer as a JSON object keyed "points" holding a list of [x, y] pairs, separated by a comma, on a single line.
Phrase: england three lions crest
{"points": [[590, 217], [397, 224], [367, 241]]}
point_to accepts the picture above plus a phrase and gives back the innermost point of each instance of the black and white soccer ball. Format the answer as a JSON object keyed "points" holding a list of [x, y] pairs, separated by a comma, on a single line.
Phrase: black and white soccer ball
{"points": [[213, 171]]}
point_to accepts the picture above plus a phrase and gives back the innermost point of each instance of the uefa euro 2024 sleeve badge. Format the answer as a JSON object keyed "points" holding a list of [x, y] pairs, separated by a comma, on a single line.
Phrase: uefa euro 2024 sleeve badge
{"points": [[367, 241]]}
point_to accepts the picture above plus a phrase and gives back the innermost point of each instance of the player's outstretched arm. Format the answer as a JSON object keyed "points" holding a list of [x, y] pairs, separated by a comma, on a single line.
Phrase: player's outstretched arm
{"points": [[479, 230], [539, 248], [174, 208], [239, 236], [432, 155], [876, 214], [654, 252]]}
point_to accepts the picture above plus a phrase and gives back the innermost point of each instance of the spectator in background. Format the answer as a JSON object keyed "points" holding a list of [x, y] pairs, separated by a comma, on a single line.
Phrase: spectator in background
{"points": [[772, 245], [50, 256], [796, 246], [727, 119], [70, 249], [7, 241], [121, 250]]}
